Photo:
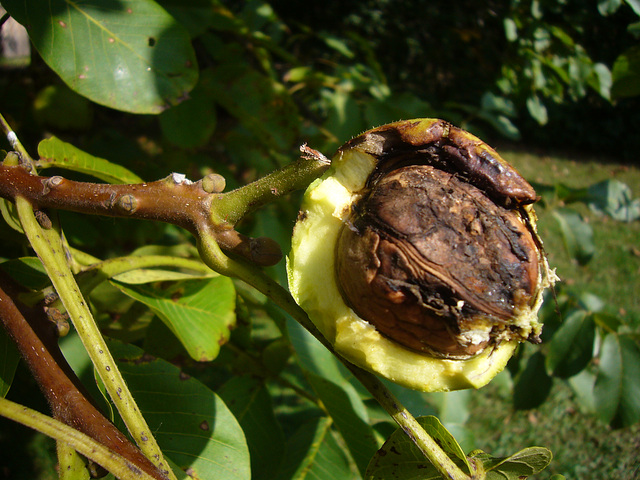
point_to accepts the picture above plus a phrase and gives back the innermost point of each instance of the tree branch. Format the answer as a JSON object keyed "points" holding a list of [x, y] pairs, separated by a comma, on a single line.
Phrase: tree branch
{"points": [[36, 339]]}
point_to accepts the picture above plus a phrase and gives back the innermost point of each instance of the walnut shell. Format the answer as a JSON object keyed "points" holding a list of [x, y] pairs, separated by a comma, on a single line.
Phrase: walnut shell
{"points": [[416, 256]]}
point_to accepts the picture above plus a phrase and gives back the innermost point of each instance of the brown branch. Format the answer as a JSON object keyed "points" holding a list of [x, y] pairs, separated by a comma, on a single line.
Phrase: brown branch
{"points": [[36, 339], [171, 200]]}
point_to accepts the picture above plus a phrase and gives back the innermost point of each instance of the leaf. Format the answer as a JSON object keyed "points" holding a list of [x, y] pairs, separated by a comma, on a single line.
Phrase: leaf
{"points": [[191, 123], [537, 110], [626, 74], [54, 152], [571, 347], [192, 424], [617, 390], [532, 384], [9, 358], [268, 113], [576, 233], [130, 55], [59, 107], [400, 458], [614, 198], [249, 401], [312, 453], [199, 312], [27, 271], [520, 465], [608, 7], [349, 414]]}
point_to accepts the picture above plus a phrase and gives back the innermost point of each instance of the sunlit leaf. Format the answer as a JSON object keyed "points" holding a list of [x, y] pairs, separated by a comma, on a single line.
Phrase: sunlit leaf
{"points": [[135, 56], [617, 390], [192, 424], [313, 454], [249, 401], [518, 466], [576, 233], [198, 312], [614, 198], [571, 347], [54, 152]]}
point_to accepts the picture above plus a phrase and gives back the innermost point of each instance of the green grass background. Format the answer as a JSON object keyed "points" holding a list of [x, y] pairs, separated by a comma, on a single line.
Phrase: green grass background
{"points": [[583, 447]]}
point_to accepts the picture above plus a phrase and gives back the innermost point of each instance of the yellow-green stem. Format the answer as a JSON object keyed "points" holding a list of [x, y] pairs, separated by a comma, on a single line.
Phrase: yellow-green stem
{"points": [[48, 246], [83, 444]]}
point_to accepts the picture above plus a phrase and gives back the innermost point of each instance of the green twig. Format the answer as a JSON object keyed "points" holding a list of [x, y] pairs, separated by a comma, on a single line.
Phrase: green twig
{"points": [[48, 246], [83, 444], [234, 205]]}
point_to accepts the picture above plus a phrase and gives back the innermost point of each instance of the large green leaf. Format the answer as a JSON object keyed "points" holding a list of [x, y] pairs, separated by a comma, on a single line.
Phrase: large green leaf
{"points": [[249, 401], [571, 347], [192, 424], [54, 152], [617, 390], [199, 312], [313, 454], [130, 55], [400, 458]]}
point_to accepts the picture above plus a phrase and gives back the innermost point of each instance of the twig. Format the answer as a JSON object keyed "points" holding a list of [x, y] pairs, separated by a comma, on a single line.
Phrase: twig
{"points": [[47, 245], [121, 467]]}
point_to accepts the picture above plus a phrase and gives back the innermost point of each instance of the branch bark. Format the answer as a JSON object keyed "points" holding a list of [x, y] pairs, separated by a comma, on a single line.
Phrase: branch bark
{"points": [[36, 339]]}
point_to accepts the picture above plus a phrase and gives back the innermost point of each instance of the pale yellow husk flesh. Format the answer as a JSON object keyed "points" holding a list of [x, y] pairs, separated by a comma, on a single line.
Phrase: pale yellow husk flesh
{"points": [[312, 282]]}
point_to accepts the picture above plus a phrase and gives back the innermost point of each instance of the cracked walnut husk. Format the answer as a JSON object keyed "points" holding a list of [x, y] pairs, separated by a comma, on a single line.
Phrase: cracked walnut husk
{"points": [[416, 255]]}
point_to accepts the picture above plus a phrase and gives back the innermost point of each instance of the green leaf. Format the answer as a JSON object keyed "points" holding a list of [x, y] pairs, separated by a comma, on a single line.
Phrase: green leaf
{"points": [[608, 7], [576, 233], [537, 109], [54, 152], [130, 55], [199, 312], [58, 106], [626, 74], [532, 384], [617, 390], [249, 401], [571, 347], [400, 458], [614, 198], [268, 113], [350, 416], [191, 123], [27, 271], [9, 357], [313, 454], [192, 424], [520, 465]]}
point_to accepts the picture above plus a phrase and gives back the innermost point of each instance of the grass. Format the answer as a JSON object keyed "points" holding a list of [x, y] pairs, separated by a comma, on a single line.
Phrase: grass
{"points": [[583, 447]]}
